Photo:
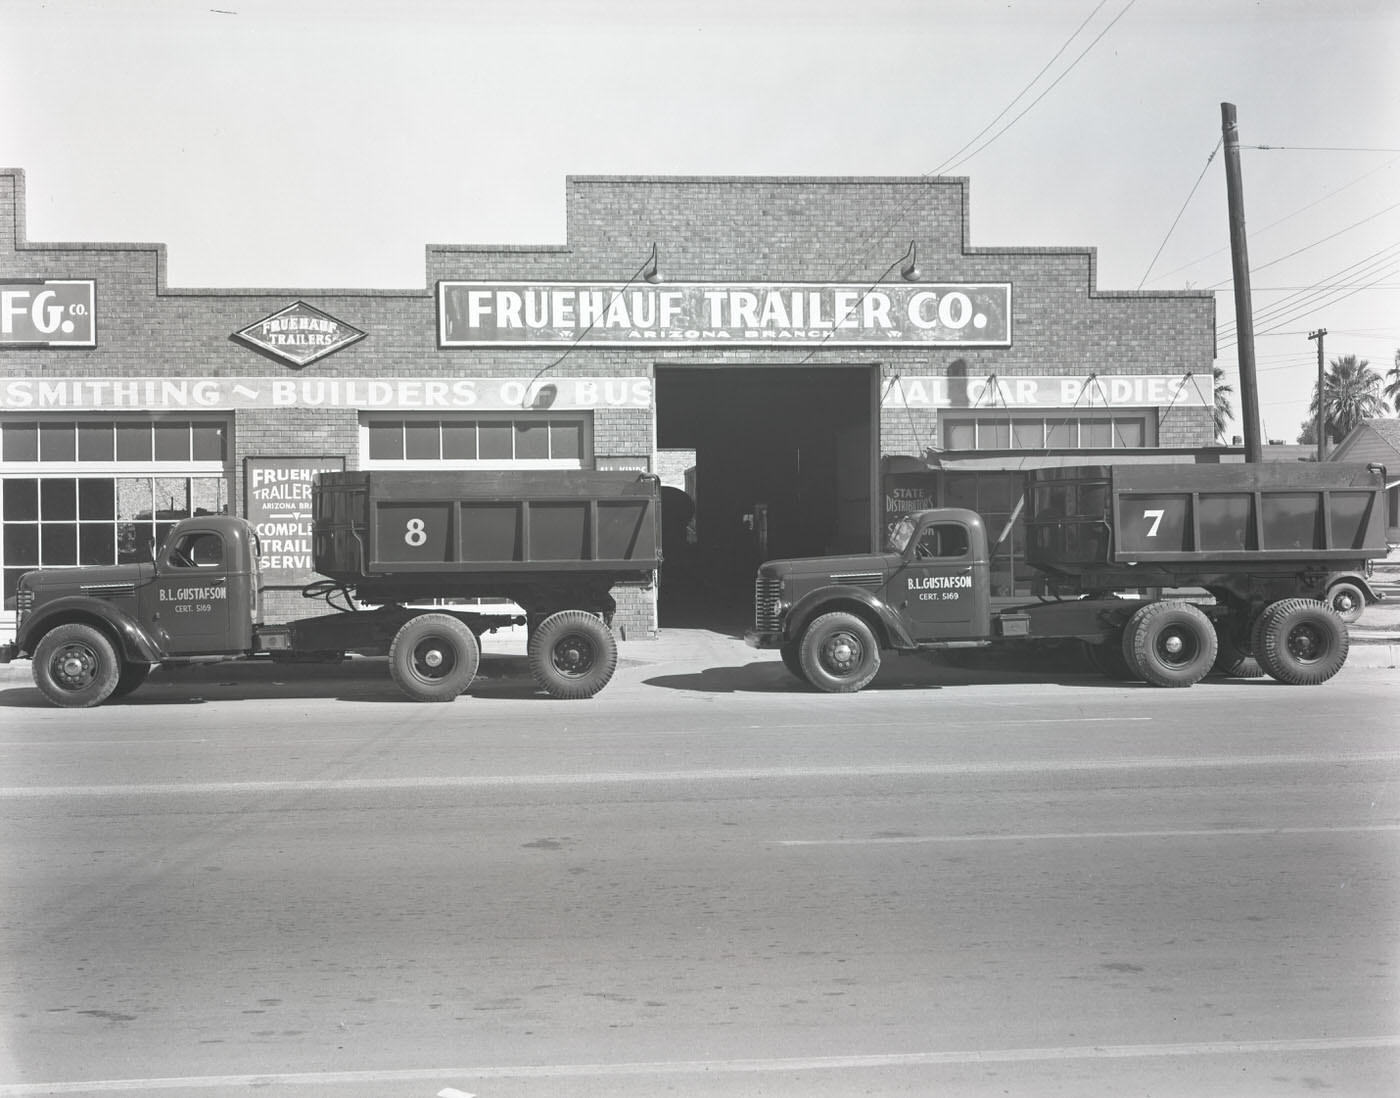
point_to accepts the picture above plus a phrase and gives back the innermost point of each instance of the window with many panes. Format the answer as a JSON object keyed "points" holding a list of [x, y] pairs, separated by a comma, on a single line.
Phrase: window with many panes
{"points": [[1003, 429], [476, 442], [102, 491]]}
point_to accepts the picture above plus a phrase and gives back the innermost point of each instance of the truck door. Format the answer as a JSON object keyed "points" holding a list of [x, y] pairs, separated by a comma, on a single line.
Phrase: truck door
{"points": [[936, 587], [192, 594]]}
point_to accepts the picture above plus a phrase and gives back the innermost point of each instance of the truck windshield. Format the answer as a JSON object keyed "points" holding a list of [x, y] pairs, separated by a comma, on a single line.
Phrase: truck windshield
{"points": [[900, 535]]}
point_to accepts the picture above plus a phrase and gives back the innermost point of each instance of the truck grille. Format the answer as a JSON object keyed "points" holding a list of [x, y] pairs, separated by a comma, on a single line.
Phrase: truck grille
{"points": [[766, 593]]}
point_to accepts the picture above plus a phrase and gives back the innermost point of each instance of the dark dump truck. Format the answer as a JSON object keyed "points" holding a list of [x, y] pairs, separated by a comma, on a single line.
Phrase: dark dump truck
{"points": [[1248, 549], [395, 551]]}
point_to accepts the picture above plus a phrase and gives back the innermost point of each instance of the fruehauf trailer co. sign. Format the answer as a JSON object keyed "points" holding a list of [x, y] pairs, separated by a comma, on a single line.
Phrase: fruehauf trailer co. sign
{"points": [[494, 314]]}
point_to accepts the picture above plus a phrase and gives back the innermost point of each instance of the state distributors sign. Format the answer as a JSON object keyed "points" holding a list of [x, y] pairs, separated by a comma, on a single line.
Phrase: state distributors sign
{"points": [[48, 313], [495, 314]]}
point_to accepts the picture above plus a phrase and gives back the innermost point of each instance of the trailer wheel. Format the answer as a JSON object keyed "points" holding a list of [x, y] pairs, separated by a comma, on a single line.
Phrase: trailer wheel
{"points": [[433, 658], [839, 653], [1231, 659], [75, 666], [1346, 600], [573, 654], [1301, 642], [1171, 643], [133, 674]]}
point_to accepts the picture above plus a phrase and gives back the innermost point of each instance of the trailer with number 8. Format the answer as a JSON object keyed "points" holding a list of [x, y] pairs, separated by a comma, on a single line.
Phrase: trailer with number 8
{"points": [[1250, 550], [405, 555]]}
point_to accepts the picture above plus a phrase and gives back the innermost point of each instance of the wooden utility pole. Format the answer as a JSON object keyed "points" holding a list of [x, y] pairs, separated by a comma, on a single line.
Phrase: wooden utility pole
{"points": [[1321, 405], [1244, 309]]}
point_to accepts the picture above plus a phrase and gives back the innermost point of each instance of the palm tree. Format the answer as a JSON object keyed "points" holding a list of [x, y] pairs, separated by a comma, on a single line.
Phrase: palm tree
{"points": [[1392, 383], [1351, 393], [1224, 410]]}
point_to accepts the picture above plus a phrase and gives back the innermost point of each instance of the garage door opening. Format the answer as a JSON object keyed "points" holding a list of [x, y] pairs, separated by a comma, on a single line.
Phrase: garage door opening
{"points": [[784, 465]]}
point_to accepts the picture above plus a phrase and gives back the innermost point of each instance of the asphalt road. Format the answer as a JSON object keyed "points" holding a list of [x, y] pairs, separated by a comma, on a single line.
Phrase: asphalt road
{"points": [[703, 881]]}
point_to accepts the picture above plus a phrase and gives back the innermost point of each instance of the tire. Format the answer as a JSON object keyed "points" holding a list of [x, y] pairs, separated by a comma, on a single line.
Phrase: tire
{"points": [[1171, 643], [75, 666], [839, 653], [433, 658], [791, 652], [1108, 660], [133, 674], [1346, 600], [1301, 642], [572, 654], [1231, 659]]}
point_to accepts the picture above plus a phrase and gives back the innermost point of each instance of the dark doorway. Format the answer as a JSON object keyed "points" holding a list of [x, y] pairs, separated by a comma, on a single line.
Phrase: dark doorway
{"points": [[784, 467]]}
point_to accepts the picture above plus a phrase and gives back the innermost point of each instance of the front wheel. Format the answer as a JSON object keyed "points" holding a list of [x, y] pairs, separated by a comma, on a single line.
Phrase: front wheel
{"points": [[1301, 642], [75, 666], [1346, 600], [433, 658], [572, 654], [839, 653]]}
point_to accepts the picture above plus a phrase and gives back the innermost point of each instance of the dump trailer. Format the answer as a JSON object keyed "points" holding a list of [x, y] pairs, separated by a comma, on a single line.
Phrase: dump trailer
{"points": [[1250, 550], [400, 554]]}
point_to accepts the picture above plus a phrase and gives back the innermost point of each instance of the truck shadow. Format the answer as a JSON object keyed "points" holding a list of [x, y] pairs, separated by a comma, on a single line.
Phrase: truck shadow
{"points": [[363, 680], [909, 672]]}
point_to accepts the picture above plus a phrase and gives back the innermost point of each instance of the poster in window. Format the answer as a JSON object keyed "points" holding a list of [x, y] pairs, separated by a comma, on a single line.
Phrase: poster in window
{"points": [[279, 507]]}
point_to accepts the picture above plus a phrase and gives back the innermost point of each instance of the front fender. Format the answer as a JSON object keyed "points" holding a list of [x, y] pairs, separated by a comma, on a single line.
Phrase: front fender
{"points": [[891, 629], [136, 643], [1357, 579]]}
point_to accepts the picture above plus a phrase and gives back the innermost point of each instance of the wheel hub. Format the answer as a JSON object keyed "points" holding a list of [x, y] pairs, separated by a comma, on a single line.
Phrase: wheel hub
{"points": [[842, 653], [573, 656], [74, 667], [1305, 644]]}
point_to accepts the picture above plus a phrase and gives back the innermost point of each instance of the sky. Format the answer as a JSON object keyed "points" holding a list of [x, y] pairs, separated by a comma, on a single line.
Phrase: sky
{"points": [[309, 144]]}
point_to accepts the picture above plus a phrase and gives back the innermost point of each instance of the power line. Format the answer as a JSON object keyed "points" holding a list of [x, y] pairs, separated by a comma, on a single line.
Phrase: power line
{"points": [[951, 162], [1315, 243], [1176, 222], [1048, 90], [1302, 300], [1286, 217], [1315, 149]]}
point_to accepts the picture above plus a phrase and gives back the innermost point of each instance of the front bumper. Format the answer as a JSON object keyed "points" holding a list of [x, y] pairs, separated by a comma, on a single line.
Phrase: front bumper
{"points": [[9, 653], [754, 639]]}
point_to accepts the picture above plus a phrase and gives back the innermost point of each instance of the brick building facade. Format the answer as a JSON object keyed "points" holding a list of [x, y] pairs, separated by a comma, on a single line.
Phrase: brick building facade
{"points": [[811, 366]]}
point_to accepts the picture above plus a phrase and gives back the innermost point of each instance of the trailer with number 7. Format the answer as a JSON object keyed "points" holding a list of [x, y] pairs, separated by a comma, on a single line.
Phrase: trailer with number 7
{"points": [[405, 557], [1250, 549]]}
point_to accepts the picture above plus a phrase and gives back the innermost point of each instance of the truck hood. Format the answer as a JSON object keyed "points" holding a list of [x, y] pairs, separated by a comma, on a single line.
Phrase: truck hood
{"points": [[834, 567], [93, 578]]}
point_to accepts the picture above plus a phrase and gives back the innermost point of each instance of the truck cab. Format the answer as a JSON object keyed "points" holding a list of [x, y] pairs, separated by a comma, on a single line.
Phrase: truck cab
{"points": [[930, 585], [94, 632], [204, 598]]}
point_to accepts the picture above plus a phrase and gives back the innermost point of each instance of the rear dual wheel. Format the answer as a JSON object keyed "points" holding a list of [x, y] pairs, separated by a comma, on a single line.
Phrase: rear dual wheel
{"points": [[572, 654], [433, 658], [1170, 643], [1300, 642]]}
